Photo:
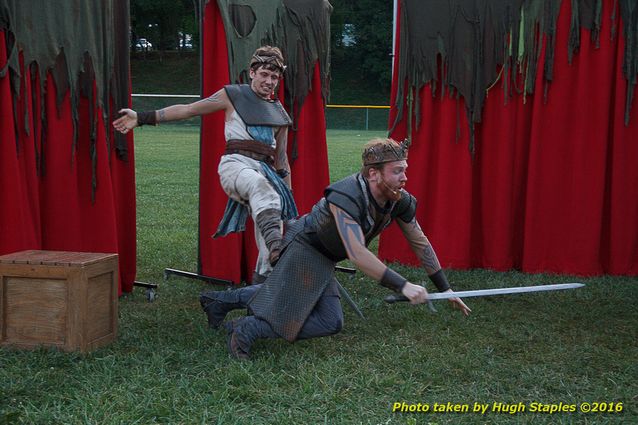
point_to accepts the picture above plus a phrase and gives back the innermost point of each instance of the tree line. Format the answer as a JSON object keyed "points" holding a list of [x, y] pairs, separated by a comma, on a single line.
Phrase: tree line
{"points": [[361, 33], [166, 24]]}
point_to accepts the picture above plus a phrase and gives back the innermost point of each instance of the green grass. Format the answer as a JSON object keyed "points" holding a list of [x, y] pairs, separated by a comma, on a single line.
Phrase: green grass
{"points": [[167, 367], [172, 73]]}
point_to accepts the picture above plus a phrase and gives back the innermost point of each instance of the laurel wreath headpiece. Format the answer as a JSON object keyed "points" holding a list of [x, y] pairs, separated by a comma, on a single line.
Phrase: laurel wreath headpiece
{"points": [[386, 152], [267, 60]]}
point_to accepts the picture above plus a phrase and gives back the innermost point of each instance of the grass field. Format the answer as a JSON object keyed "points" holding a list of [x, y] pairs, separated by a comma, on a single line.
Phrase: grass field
{"points": [[166, 367]]}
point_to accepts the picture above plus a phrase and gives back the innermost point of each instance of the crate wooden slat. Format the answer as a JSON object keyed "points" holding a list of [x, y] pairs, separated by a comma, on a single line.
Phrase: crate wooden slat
{"points": [[58, 298]]}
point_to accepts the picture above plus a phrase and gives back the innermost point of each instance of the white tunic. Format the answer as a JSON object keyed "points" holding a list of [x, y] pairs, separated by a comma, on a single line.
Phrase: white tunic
{"points": [[243, 180]]}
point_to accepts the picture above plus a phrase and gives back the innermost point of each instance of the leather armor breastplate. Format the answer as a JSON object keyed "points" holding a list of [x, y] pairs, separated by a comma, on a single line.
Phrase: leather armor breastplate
{"points": [[254, 110], [351, 195], [321, 227]]}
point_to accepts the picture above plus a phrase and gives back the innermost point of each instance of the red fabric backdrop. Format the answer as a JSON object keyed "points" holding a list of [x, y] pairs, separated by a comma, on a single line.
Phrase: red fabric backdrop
{"points": [[553, 187], [233, 257], [55, 211]]}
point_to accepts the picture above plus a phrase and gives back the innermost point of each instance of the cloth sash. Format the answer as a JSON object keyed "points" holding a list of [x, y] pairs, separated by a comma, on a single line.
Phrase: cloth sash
{"points": [[236, 213]]}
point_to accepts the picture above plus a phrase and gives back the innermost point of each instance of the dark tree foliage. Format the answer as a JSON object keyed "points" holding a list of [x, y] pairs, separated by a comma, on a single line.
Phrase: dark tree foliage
{"points": [[361, 44], [162, 21], [362, 38]]}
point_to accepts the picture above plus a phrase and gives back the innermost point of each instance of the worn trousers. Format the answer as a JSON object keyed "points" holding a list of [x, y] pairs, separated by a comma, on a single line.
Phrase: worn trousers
{"points": [[242, 180], [325, 319]]}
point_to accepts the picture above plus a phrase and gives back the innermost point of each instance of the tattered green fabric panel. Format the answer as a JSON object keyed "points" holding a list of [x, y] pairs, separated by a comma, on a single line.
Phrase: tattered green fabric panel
{"points": [[307, 42], [460, 46], [249, 24], [300, 28], [629, 14], [79, 43]]}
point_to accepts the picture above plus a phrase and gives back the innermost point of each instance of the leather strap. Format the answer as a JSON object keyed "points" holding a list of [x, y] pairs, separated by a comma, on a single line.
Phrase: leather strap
{"points": [[393, 280], [146, 117], [440, 281], [251, 149]]}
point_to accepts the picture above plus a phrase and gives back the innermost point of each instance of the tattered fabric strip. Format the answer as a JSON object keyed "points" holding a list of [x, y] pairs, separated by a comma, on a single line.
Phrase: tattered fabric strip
{"points": [[467, 45], [77, 43]]}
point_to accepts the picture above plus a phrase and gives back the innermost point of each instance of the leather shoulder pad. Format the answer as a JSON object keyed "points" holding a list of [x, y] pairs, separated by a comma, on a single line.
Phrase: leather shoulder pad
{"points": [[254, 110], [346, 194], [405, 208]]}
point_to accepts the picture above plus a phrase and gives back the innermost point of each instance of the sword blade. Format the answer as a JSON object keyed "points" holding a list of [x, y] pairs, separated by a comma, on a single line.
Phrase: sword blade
{"points": [[491, 292]]}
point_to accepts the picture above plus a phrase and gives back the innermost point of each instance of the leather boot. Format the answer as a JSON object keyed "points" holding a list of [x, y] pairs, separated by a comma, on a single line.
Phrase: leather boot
{"points": [[269, 224], [242, 334], [217, 304], [236, 343]]}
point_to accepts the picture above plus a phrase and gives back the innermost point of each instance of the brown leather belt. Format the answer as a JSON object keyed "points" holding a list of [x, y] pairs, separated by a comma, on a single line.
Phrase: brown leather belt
{"points": [[251, 149]]}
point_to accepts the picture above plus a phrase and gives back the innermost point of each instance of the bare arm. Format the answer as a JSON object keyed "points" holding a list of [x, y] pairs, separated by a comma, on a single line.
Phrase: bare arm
{"points": [[216, 102], [281, 153], [422, 247], [353, 240]]}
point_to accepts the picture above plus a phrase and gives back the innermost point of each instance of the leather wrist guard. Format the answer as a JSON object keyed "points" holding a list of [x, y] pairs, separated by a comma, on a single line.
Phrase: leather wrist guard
{"points": [[440, 281], [393, 280], [146, 117]]}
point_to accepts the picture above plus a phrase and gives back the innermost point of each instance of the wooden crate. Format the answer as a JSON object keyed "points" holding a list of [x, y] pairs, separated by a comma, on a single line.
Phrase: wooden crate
{"points": [[61, 299]]}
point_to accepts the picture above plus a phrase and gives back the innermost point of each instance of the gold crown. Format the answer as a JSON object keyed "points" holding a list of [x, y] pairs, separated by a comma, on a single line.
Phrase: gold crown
{"points": [[386, 152]]}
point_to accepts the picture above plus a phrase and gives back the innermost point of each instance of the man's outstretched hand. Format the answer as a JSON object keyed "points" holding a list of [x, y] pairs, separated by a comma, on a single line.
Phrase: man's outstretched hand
{"points": [[126, 122], [459, 304]]}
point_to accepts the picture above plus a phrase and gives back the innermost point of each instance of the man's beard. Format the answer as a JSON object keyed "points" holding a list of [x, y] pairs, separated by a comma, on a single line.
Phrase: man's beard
{"points": [[393, 195]]}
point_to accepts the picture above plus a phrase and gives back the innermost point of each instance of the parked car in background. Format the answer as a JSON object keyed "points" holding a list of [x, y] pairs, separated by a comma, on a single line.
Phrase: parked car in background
{"points": [[143, 45], [187, 45]]}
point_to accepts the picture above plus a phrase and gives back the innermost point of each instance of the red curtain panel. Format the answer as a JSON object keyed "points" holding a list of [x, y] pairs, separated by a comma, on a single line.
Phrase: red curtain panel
{"points": [[552, 186], [233, 257], [58, 208]]}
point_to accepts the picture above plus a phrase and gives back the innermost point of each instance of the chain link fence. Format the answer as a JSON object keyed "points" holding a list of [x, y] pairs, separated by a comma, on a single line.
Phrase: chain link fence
{"points": [[338, 117], [357, 117]]}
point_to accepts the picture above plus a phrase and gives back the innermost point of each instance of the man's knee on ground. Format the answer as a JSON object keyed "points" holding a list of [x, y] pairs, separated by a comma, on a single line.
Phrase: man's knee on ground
{"points": [[334, 325]]}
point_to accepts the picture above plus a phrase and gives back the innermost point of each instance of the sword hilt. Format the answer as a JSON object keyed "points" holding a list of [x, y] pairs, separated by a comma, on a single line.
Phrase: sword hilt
{"points": [[394, 298]]}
